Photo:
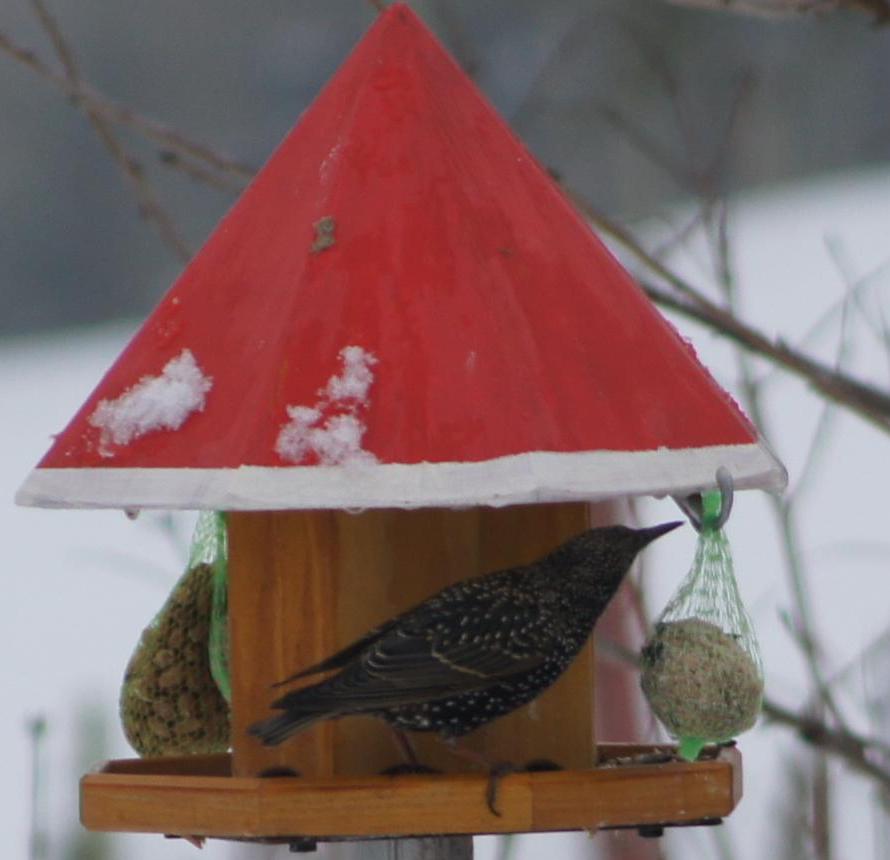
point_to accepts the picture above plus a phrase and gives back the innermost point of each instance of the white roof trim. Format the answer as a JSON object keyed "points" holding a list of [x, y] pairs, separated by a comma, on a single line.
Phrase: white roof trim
{"points": [[540, 476]]}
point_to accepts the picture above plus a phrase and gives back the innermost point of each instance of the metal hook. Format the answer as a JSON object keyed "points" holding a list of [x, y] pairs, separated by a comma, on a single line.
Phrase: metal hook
{"points": [[692, 505], [727, 495]]}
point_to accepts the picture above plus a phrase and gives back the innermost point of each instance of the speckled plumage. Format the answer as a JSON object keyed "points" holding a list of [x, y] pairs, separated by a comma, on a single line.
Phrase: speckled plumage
{"points": [[476, 650]]}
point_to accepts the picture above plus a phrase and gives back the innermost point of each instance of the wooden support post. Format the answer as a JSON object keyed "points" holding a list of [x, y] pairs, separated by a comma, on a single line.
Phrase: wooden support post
{"points": [[303, 584], [432, 848]]}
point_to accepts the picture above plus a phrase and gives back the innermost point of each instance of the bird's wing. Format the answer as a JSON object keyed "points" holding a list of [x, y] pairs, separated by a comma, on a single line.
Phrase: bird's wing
{"points": [[341, 658], [432, 653]]}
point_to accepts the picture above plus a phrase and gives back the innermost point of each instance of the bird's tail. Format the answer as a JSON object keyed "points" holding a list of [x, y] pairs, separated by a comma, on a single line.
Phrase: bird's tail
{"points": [[280, 727]]}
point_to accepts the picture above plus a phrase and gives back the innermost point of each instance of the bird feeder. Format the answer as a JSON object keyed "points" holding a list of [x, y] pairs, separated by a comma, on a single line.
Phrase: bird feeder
{"points": [[402, 359]]}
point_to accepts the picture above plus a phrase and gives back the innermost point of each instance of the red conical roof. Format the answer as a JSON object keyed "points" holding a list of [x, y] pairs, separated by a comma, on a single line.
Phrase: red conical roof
{"points": [[402, 309]]}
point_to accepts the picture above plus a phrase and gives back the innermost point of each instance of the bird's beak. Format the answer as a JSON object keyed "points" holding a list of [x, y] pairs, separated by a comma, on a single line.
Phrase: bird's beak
{"points": [[646, 536]]}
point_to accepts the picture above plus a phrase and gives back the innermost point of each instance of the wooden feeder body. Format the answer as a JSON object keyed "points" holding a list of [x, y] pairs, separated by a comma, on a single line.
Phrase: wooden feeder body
{"points": [[304, 584]]}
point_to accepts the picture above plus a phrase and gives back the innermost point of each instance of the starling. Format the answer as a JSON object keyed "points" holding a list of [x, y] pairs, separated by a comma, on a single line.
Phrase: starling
{"points": [[476, 650]]}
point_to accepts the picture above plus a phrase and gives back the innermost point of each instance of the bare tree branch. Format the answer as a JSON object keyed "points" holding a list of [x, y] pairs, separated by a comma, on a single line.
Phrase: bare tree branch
{"points": [[857, 751], [865, 400], [828, 412], [168, 138], [879, 10], [149, 205], [785, 514], [643, 142]]}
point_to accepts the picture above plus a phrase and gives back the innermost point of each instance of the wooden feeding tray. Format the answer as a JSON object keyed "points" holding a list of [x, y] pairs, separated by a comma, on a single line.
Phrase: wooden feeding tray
{"points": [[198, 796]]}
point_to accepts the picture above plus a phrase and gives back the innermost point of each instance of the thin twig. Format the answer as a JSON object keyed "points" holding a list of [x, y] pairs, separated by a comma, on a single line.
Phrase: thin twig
{"points": [[456, 36], [821, 804], [646, 145], [679, 236], [878, 10], [828, 412], [38, 845], [865, 400], [213, 179], [853, 748], [782, 507], [804, 626], [824, 424], [713, 175], [168, 138], [855, 286], [630, 243], [51, 28], [149, 205], [828, 317], [722, 842], [559, 49], [785, 512]]}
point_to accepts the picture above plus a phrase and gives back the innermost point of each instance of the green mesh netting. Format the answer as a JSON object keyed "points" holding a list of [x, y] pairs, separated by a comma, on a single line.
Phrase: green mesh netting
{"points": [[210, 546], [170, 703], [701, 670]]}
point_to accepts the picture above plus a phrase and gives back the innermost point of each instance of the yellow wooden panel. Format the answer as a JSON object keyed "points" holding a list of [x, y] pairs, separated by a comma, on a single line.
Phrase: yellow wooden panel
{"points": [[304, 584], [281, 593]]}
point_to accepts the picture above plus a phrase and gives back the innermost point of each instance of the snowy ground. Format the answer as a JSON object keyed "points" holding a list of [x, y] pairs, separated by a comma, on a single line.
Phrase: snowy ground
{"points": [[81, 585]]}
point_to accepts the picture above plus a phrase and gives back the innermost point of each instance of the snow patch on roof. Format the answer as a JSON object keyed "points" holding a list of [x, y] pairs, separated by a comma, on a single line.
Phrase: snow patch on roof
{"points": [[337, 440], [154, 403], [355, 381]]}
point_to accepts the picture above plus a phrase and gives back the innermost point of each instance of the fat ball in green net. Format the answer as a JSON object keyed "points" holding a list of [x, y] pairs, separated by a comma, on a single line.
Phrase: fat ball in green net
{"points": [[701, 670], [170, 703]]}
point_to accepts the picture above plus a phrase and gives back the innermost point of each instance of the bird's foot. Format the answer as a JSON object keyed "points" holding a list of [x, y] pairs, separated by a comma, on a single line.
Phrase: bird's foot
{"points": [[496, 770], [408, 768], [495, 774], [541, 765], [501, 769], [278, 771]]}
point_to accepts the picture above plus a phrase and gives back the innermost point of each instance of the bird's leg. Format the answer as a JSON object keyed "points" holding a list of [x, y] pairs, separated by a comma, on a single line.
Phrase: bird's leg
{"points": [[466, 753], [404, 746], [411, 764], [497, 770]]}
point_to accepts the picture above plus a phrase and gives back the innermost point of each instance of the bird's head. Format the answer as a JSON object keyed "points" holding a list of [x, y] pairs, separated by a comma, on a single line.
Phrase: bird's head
{"points": [[604, 555], [628, 542]]}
